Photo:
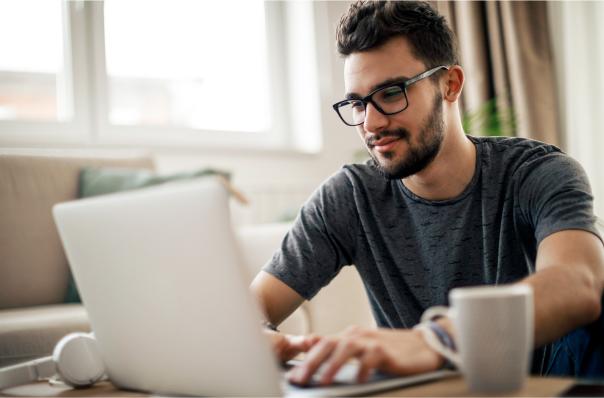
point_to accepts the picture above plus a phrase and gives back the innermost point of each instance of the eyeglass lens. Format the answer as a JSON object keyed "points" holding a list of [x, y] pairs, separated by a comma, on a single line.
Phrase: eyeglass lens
{"points": [[390, 99]]}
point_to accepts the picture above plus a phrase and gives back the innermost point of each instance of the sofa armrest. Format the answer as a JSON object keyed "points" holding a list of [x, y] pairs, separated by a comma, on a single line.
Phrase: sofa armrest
{"points": [[339, 305], [33, 265], [258, 244]]}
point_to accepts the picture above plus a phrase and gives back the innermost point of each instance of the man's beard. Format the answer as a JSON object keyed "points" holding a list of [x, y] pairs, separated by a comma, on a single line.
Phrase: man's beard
{"points": [[419, 156]]}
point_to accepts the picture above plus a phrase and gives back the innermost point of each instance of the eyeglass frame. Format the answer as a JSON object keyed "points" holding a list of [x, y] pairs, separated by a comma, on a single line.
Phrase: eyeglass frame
{"points": [[366, 100]]}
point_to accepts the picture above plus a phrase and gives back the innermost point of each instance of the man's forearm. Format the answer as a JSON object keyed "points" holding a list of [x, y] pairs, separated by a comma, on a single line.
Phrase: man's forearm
{"points": [[568, 283], [565, 298]]}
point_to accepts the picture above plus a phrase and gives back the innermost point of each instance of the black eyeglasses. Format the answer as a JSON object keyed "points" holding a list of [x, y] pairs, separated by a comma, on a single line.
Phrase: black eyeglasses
{"points": [[387, 100]]}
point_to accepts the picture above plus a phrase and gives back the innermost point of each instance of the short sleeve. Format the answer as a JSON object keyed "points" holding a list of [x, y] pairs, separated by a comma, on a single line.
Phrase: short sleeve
{"points": [[320, 242], [554, 195]]}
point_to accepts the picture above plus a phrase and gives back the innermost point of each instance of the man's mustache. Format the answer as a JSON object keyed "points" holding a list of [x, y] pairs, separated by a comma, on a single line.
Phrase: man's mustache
{"points": [[398, 133]]}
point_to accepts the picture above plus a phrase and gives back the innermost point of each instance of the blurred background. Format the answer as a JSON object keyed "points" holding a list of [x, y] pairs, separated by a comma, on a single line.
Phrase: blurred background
{"points": [[247, 86]]}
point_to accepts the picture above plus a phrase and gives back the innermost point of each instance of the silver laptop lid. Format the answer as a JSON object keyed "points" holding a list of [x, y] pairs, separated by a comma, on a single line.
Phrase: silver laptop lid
{"points": [[159, 273]]}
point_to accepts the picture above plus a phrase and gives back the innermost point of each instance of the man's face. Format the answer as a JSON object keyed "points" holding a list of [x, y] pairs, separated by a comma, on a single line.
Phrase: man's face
{"points": [[405, 143]]}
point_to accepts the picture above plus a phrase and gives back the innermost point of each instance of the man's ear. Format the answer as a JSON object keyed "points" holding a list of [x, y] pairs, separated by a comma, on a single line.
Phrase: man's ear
{"points": [[454, 83]]}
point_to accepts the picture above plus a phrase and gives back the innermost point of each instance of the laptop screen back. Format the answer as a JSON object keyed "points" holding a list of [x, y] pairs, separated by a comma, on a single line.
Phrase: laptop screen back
{"points": [[161, 278]]}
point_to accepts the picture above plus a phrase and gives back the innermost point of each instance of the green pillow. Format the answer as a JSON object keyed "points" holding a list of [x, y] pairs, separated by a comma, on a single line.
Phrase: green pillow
{"points": [[100, 181]]}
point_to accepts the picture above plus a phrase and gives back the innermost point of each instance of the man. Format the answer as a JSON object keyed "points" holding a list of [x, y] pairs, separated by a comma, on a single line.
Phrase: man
{"points": [[434, 209]]}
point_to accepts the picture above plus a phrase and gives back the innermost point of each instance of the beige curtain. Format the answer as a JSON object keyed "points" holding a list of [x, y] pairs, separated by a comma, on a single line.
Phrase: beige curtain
{"points": [[506, 52]]}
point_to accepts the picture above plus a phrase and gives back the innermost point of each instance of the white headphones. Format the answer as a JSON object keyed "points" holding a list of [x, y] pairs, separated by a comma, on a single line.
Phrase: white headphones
{"points": [[76, 359]]}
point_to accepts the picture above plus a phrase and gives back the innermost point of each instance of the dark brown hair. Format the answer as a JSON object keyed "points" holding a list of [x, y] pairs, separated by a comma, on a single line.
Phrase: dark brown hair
{"points": [[369, 24]]}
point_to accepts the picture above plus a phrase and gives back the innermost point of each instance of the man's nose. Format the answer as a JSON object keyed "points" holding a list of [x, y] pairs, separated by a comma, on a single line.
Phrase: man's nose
{"points": [[374, 120]]}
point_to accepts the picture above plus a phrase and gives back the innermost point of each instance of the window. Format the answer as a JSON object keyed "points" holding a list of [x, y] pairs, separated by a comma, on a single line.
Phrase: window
{"points": [[149, 73], [33, 75], [171, 70]]}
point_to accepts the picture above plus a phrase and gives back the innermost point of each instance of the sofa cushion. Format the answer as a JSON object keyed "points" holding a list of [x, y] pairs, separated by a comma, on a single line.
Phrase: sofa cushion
{"points": [[33, 265], [99, 181], [32, 333]]}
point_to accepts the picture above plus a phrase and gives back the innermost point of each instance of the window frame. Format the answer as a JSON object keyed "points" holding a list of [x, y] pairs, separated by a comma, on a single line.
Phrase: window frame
{"points": [[85, 63], [31, 132]]}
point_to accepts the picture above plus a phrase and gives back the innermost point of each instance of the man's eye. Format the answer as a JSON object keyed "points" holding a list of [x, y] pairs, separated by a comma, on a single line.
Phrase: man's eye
{"points": [[357, 105], [391, 94]]}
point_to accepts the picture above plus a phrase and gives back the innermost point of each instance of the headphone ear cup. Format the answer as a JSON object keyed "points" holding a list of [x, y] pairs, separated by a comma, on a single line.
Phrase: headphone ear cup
{"points": [[78, 360]]}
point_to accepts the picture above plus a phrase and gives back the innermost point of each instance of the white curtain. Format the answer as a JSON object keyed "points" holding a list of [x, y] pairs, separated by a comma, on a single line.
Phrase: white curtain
{"points": [[578, 39]]}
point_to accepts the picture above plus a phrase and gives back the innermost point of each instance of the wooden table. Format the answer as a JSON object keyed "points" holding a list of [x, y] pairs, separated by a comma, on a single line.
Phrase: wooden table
{"points": [[451, 387]]}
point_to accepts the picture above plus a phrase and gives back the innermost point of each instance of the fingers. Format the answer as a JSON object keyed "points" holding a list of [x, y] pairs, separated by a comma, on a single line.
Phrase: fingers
{"points": [[346, 349], [312, 339], [319, 353], [394, 351], [332, 353], [287, 346], [355, 342], [371, 359], [302, 343]]}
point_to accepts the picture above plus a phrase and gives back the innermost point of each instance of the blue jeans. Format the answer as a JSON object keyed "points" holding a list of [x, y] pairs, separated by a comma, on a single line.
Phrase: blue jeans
{"points": [[579, 354]]}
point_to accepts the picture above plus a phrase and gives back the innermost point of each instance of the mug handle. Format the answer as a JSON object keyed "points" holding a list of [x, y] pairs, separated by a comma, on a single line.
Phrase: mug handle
{"points": [[436, 312], [429, 335]]}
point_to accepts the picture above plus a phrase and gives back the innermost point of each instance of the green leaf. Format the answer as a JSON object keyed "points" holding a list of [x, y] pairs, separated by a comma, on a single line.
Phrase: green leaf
{"points": [[488, 120]]}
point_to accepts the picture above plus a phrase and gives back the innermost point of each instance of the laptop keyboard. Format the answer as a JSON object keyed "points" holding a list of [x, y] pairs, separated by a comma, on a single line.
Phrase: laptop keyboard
{"points": [[345, 377]]}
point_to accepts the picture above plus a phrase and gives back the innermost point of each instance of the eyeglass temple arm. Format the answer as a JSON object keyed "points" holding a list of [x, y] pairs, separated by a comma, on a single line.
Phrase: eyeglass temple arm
{"points": [[425, 74]]}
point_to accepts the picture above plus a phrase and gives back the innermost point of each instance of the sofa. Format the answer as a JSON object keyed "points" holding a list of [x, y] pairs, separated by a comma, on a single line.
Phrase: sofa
{"points": [[34, 272]]}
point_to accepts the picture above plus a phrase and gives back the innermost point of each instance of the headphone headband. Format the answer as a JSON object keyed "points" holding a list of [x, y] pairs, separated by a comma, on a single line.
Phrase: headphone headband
{"points": [[76, 358]]}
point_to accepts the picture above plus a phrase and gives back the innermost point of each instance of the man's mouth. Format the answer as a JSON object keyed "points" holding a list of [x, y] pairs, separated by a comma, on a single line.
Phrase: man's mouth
{"points": [[387, 140], [384, 144]]}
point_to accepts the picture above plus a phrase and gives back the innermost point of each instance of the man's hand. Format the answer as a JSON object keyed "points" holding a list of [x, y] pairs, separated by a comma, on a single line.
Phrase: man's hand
{"points": [[287, 346], [402, 351]]}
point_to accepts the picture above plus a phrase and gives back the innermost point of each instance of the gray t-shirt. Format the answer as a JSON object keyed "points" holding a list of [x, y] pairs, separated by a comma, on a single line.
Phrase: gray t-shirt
{"points": [[410, 251]]}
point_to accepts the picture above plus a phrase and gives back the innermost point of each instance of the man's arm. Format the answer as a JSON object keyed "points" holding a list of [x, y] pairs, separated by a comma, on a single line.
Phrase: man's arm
{"points": [[568, 284], [568, 287], [277, 299]]}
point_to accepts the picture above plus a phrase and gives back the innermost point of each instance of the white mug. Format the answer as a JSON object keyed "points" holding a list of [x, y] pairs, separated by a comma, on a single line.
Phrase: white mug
{"points": [[494, 328]]}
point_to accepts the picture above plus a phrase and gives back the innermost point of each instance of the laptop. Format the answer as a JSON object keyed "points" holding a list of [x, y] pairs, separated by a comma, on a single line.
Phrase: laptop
{"points": [[162, 280]]}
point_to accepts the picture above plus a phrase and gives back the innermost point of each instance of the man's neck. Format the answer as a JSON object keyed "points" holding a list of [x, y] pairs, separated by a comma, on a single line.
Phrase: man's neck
{"points": [[447, 176]]}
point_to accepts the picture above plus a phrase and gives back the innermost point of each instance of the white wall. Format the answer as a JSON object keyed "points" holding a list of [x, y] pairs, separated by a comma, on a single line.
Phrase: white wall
{"points": [[578, 38]]}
